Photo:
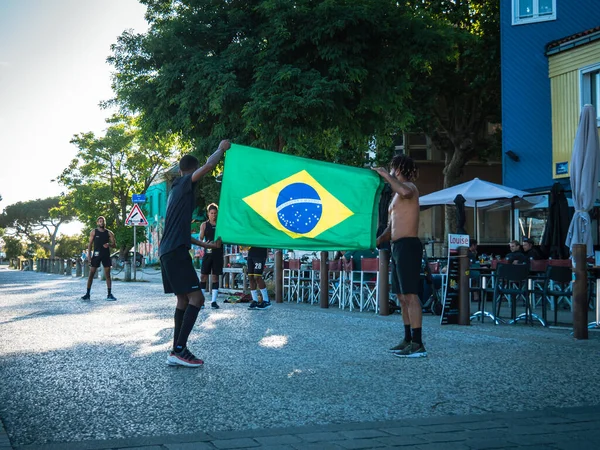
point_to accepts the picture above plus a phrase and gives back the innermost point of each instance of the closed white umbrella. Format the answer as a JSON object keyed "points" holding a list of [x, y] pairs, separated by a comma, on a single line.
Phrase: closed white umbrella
{"points": [[585, 173]]}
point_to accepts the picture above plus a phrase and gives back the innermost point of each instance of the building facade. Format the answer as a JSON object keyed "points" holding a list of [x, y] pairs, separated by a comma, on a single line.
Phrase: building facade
{"points": [[550, 56]]}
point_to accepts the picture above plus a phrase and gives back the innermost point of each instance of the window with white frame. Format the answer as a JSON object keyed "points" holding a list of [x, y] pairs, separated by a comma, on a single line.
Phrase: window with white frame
{"points": [[528, 11], [590, 88]]}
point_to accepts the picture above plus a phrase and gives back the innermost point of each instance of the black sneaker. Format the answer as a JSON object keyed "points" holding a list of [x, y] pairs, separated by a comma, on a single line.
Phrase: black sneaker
{"points": [[184, 358], [85, 297], [253, 304], [414, 350], [263, 305], [111, 298], [214, 305], [401, 346]]}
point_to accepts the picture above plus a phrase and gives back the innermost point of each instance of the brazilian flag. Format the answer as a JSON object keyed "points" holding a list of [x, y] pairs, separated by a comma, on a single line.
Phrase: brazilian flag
{"points": [[275, 200]]}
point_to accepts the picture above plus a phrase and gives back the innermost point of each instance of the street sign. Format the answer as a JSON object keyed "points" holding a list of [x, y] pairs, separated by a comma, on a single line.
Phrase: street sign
{"points": [[136, 217], [138, 198]]}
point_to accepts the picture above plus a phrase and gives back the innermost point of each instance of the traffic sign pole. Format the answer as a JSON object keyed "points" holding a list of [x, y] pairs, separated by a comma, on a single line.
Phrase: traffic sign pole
{"points": [[134, 254]]}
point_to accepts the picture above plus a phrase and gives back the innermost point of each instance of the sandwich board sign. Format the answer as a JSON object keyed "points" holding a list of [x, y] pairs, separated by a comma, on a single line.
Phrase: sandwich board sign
{"points": [[450, 309], [136, 217]]}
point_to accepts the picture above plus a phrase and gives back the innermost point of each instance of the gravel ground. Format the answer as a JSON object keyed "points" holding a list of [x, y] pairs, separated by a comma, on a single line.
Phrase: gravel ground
{"points": [[74, 370]]}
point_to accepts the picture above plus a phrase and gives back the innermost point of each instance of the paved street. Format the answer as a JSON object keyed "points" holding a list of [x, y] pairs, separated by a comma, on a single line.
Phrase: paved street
{"points": [[92, 375]]}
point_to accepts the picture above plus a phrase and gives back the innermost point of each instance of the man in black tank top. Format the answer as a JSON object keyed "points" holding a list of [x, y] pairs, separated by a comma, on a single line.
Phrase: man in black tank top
{"points": [[103, 240], [212, 261]]}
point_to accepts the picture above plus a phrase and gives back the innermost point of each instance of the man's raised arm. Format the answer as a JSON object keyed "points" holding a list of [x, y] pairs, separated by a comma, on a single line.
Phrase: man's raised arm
{"points": [[404, 190], [212, 162]]}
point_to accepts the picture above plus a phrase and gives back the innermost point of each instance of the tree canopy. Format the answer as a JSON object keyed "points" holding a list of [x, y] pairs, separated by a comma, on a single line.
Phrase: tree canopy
{"points": [[109, 169], [322, 79], [38, 221], [457, 100]]}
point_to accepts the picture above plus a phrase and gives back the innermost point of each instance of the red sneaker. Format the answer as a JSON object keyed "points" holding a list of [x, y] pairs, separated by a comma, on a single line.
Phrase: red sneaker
{"points": [[184, 358]]}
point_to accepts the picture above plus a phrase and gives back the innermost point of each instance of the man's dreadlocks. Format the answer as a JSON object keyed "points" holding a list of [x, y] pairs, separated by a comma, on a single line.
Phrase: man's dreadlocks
{"points": [[407, 166]]}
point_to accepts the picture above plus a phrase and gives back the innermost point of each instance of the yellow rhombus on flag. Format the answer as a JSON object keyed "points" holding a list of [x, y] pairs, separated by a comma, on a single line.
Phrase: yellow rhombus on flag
{"points": [[274, 200]]}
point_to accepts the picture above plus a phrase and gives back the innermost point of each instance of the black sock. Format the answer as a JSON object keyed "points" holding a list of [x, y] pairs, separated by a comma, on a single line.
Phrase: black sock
{"points": [[109, 289], [178, 322], [417, 336], [407, 337], [189, 319], [87, 292]]}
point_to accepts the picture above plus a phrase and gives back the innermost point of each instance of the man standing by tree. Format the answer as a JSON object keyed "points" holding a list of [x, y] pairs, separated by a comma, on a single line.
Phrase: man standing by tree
{"points": [[102, 239], [407, 251], [178, 272]]}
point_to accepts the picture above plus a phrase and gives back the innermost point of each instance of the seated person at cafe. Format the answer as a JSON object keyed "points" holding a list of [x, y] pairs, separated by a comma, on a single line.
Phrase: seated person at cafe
{"points": [[472, 253], [516, 255], [529, 250]]}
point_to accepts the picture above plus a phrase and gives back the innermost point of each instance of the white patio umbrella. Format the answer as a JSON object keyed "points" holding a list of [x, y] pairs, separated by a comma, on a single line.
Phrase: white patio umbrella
{"points": [[473, 191], [585, 174]]}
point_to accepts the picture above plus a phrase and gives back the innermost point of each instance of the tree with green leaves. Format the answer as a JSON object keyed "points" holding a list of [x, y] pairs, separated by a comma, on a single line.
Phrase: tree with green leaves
{"points": [[71, 246], [458, 101], [109, 169], [37, 221], [13, 247], [322, 79]]}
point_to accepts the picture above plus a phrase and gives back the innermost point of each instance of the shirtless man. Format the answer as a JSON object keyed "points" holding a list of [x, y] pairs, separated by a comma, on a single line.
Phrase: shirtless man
{"points": [[407, 251]]}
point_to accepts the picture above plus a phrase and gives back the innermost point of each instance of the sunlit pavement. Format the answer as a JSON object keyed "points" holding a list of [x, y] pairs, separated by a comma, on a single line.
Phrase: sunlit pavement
{"points": [[80, 375]]}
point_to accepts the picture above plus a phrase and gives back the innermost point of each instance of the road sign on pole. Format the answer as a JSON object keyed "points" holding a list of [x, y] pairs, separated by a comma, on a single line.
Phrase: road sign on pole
{"points": [[138, 198], [136, 217]]}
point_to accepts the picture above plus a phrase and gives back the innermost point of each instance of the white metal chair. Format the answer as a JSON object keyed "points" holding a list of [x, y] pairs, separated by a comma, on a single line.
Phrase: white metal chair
{"points": [[369, 283], [291, 279]]}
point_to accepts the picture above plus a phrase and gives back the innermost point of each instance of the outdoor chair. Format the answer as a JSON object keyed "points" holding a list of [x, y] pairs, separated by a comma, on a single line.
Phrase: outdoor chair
{"points": [[335, 278], [510, 280], [348, 293], [557, 285], [315, 281], [474, 283], [369, 277], [538, 269], [291, 282]]}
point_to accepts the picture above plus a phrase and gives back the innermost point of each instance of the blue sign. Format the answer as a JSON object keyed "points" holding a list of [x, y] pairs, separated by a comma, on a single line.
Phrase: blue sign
{"points": [[138, 198], [562, 168]]}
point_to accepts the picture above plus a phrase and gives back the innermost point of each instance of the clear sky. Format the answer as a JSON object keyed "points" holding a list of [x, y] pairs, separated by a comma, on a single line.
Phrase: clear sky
{"points": [[53, 74]]}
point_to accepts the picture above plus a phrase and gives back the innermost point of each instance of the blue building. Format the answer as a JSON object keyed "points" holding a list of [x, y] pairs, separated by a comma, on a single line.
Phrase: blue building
{"points": [[550, 56]]}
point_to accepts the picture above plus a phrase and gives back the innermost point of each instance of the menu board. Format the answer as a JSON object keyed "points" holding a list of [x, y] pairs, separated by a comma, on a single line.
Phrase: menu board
{"points": [[450, 309]]}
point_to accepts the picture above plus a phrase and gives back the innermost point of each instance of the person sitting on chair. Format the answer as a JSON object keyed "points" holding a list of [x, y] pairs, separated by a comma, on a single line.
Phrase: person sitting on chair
{"points": [[472, 253], [529, 250], [516, 255]]}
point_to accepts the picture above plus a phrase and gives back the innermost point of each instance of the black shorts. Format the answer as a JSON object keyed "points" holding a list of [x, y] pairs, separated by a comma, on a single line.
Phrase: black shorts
{"points": [[407, 255], [212, 263], [103, 258], [178, 273], [256, 266]]}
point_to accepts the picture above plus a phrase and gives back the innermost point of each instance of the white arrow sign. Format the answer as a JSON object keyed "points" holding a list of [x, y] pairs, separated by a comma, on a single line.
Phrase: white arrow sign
{"points": [[136, 217]]}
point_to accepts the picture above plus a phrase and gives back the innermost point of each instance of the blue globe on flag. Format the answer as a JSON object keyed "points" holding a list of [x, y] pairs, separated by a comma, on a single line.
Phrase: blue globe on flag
{"points": [[299, 208]]}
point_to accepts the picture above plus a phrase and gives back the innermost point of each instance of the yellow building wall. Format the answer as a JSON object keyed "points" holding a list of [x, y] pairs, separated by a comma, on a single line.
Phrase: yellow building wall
{"points": [[565, 82]]}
